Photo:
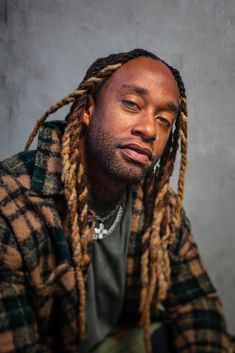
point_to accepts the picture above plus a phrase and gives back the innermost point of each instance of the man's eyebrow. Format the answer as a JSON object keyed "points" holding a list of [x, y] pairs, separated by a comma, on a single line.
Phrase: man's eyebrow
{"points": [[134, 89], [144, 91], [173, 107]]}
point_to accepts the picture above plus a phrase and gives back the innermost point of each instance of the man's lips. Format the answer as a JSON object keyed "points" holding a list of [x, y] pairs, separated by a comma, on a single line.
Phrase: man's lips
{"points": [[137, 153]]}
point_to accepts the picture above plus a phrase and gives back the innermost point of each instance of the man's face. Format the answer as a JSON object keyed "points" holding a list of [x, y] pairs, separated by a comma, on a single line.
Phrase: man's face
{"points": [[130, 123]]}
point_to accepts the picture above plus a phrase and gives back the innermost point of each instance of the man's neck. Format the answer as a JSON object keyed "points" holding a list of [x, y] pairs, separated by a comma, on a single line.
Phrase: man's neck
{"points": [[105, 192]]}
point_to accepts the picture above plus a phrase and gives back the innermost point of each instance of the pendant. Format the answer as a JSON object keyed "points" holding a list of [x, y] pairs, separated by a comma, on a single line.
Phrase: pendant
{"points": [[100, 232]]}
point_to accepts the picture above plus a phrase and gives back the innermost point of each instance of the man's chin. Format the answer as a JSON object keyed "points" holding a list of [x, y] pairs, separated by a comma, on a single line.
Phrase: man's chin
{"points": [[130, 174]]}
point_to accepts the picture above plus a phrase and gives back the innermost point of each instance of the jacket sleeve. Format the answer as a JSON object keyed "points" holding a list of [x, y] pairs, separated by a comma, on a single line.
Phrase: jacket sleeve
{"points": [[18, 329], [193, 306]]}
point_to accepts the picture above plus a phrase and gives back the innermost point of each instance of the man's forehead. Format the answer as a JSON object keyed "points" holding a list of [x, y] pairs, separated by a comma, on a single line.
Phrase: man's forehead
{"points": [[144, 69], [142, 76]]}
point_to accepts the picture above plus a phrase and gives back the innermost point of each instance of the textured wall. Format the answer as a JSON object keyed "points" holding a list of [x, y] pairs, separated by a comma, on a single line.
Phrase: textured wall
{"points": [[46, 46]]}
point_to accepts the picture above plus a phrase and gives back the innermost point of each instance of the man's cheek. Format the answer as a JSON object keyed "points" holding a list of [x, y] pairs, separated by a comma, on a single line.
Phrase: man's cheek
{"points": [[159, 149]]}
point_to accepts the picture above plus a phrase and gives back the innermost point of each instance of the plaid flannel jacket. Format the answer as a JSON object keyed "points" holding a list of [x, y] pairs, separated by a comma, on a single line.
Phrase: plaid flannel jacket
{"points": [[38, 296]]}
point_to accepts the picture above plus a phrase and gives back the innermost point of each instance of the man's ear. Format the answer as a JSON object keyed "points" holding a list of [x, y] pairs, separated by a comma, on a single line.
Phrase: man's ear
{"points": [[89, 110]]}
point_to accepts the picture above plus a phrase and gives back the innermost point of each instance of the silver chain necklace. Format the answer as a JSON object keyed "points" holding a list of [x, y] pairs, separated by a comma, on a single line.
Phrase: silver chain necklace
{"points": [[101, 232], [111, 213]]}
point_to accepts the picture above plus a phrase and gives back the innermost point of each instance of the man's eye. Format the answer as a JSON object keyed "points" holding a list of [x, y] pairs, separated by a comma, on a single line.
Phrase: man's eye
{"points": [[129, 104], [164, 121]]}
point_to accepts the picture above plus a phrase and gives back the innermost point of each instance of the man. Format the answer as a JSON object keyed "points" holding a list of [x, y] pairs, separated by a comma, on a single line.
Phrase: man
{"points": [[92, 236]]}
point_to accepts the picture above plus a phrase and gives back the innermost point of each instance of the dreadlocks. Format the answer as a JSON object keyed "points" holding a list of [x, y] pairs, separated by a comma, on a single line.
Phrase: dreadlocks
{"points": [[153, 194]]}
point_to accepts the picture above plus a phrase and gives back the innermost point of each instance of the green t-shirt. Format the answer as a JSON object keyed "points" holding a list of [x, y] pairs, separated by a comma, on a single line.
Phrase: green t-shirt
{"points": [[106, 277]]}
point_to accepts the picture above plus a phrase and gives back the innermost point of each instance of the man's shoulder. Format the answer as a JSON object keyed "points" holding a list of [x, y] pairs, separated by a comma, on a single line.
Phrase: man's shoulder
{"points": [[16, 173], [20, 163]]}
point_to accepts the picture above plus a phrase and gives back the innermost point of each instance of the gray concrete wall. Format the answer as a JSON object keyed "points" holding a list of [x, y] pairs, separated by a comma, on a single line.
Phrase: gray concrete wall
{"points": [[47, 45]]}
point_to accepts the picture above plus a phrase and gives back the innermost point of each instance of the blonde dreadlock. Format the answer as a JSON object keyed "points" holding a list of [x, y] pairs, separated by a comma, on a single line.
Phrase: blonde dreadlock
{"points": [[161, 218]]}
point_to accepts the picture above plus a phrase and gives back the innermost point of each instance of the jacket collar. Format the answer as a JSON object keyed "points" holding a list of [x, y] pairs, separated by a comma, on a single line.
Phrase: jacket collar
{"points": [[46, 178]]}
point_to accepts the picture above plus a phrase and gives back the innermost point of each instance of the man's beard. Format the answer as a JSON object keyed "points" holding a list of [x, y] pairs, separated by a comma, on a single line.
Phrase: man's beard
{"points": [[103, 147]]}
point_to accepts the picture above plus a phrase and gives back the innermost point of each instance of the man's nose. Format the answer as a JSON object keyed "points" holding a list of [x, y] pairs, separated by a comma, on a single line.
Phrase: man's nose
{"points": [[145, 127]]}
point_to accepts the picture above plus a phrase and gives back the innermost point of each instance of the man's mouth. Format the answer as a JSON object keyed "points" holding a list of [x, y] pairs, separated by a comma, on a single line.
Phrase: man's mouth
{"points": [[137, 153]]}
